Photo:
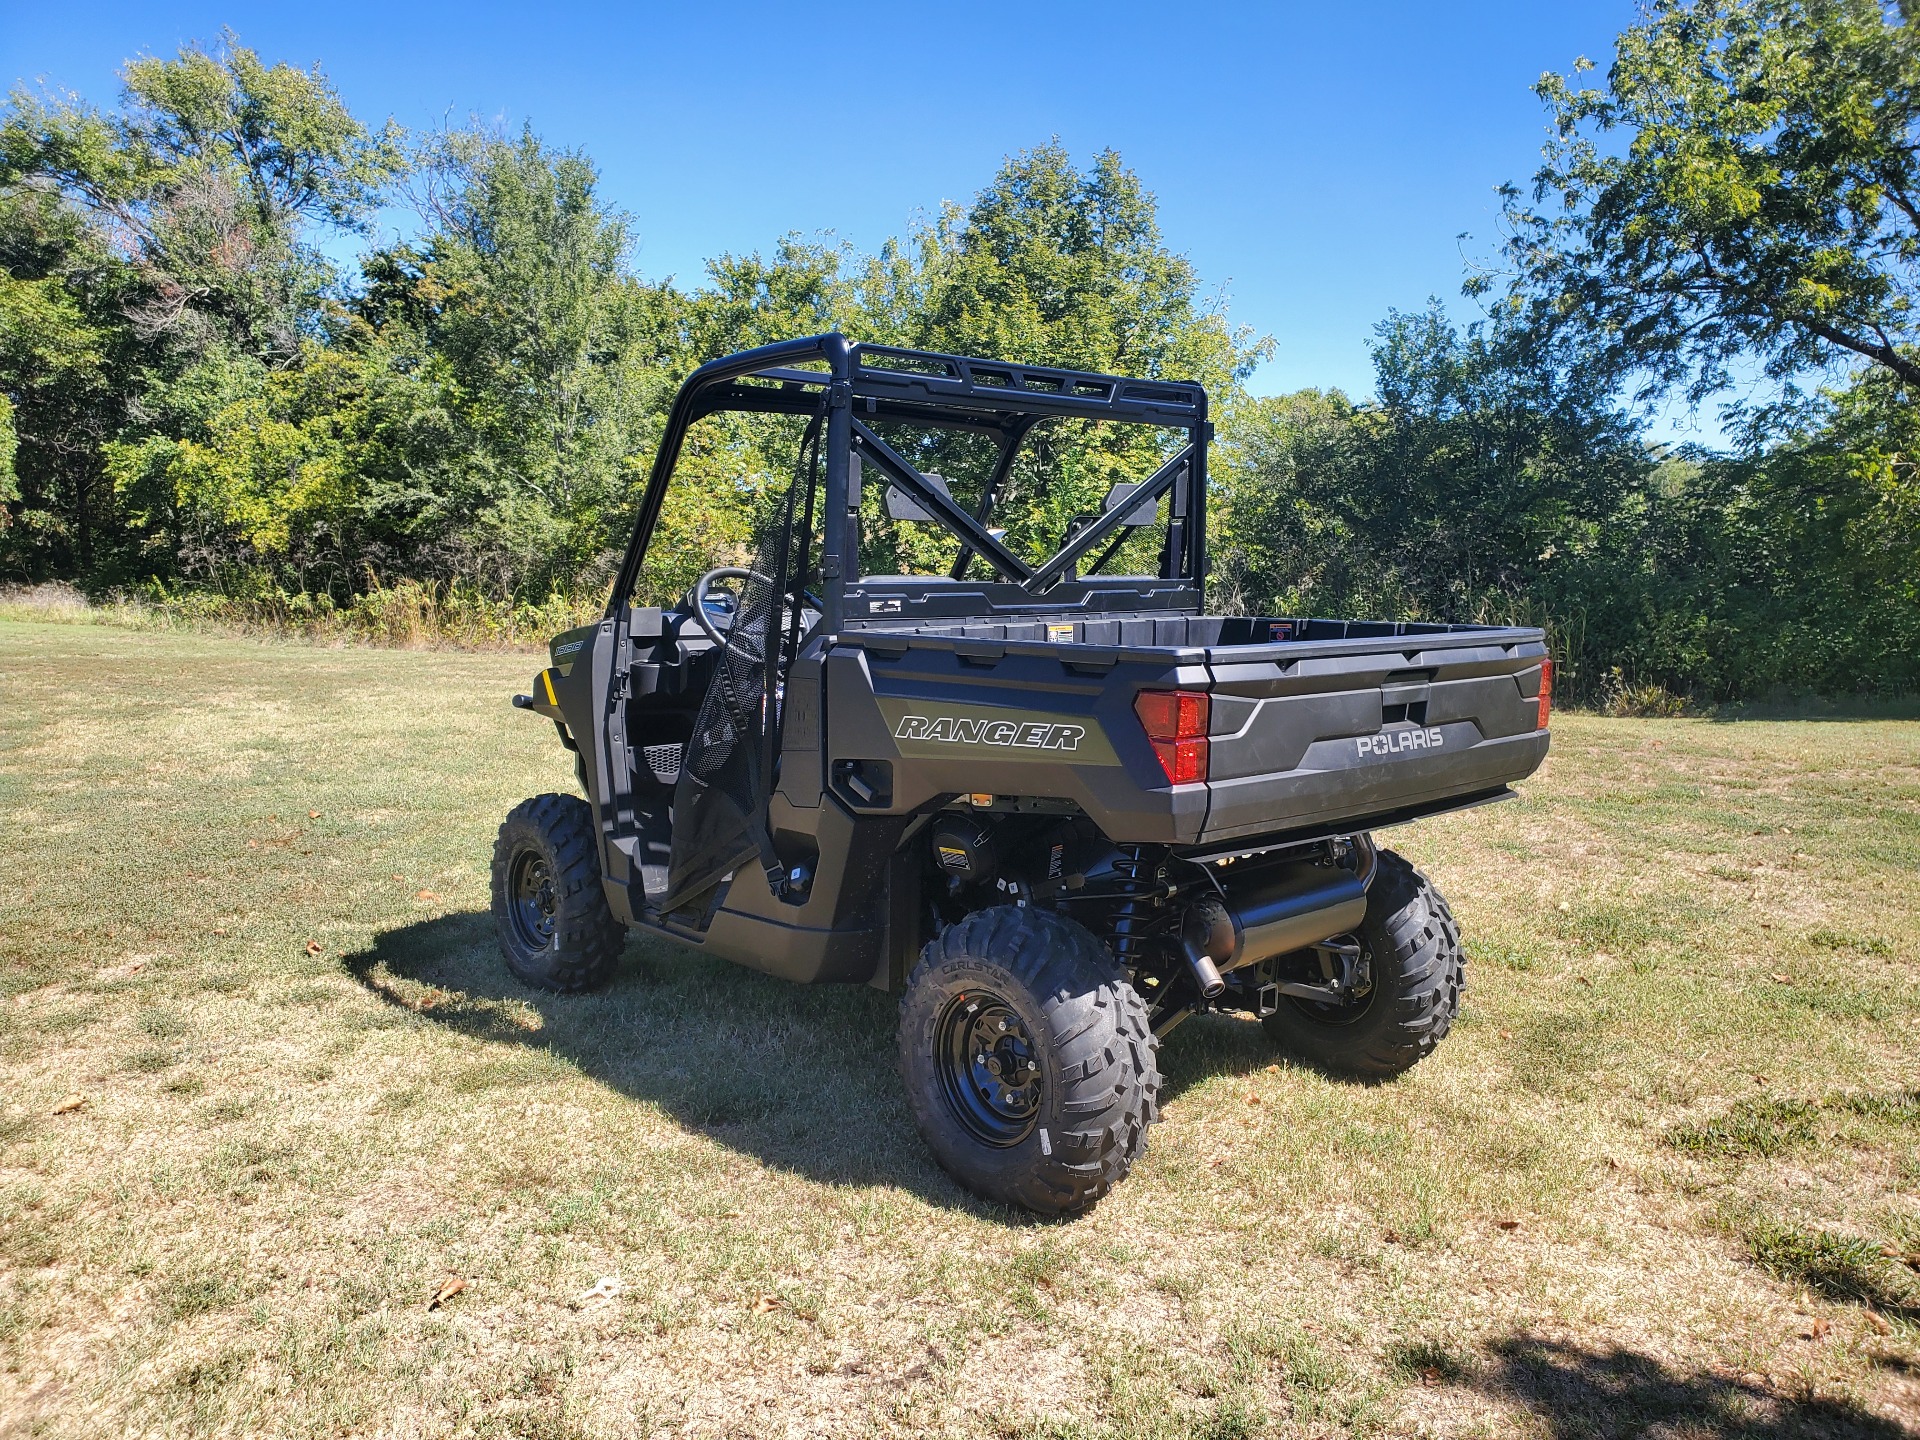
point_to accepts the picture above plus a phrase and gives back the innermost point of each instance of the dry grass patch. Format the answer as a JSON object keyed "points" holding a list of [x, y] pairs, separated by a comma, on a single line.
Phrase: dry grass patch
{"points": [[1650, 1185]]}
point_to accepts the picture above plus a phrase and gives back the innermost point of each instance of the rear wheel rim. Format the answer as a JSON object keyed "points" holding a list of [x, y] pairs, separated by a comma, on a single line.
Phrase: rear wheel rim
{"points": [[989, 1068], [531, 901]]}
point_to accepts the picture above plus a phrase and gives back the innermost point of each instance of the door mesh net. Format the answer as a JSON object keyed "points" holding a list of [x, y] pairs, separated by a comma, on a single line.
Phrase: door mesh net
{"points": [[726, 774]]}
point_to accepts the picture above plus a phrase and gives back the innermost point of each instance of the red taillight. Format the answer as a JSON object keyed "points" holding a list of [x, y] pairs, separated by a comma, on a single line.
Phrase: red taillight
{"points": [[1546, 692], [1176, 725]]}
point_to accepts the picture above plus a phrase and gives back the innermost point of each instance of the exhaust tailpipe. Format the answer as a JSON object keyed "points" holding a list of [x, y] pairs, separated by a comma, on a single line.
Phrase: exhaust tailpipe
{"points": [[1266, 915]]}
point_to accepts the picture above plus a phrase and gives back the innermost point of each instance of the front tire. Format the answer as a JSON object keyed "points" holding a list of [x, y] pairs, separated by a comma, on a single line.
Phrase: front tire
{"points": [[549, 909], [1416, 969], [1028, 1060]]}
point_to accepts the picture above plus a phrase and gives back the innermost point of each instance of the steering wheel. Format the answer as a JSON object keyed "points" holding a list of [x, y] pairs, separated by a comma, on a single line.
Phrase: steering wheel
{"points": [[696, 601]]}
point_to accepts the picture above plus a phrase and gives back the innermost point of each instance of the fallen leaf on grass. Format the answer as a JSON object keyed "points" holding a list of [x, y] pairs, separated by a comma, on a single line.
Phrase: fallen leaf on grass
{"points": [[1252, 1099], [70, 1104], [1508, 1224], [1430, 1375], [1506, 1034], [449, 1288], [733, 1214], [766, 1303], [1781, 979], [313, 814], [1894, 1252], [1392, 1237], [314, 947], [605, 1288], [1583, 980], [1273, 1069], [1878, 1322], [1816, 1330], [425, 895]]}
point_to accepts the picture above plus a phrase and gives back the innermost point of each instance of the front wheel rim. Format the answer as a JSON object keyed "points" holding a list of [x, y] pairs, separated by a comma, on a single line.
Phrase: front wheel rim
{"points": [[532, 904], [989, 1068]]}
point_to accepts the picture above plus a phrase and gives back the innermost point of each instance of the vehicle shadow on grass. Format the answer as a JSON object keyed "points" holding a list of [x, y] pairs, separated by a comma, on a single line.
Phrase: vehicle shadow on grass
{"points": [[800, 1076], [1612, 1393], [1207, 1046]]}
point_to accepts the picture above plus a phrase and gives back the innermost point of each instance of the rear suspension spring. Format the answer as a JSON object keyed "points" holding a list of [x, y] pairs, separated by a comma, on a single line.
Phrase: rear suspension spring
{"points": [[1136, 871]]}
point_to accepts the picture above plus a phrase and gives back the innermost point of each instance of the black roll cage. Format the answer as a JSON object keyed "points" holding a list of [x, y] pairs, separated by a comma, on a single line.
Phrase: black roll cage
{"points": [[876, 382]]}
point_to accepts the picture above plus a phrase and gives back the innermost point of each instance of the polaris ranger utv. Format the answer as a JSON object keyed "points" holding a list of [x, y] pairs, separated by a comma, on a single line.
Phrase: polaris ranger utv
{"points": [[1055, 810]]}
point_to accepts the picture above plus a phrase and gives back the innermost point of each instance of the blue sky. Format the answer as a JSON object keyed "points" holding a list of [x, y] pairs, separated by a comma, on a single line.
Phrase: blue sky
{"points": [[1320, 161]]}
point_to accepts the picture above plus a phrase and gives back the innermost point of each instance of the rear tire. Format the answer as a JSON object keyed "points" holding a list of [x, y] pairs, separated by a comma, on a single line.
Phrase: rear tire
{"points": [[1417, 972], [1028, 1060], [549, 909]]}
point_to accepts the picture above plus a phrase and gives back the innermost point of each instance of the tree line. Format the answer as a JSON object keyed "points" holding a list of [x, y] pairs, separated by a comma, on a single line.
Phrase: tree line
{"points": [[196, 391]]}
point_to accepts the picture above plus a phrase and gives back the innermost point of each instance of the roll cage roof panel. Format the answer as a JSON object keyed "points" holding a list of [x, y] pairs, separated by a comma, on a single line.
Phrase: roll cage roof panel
{"points": [[850, 385]]}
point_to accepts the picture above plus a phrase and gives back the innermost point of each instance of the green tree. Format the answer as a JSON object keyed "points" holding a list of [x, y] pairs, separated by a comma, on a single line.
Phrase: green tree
{"points": [[9, 447], [157, 257], [541, 351], [68, 364], [1472, 487], [1282, 542], [211, 176], [1747, 182], [1804, 576], [749, 300], [1051, 265]]}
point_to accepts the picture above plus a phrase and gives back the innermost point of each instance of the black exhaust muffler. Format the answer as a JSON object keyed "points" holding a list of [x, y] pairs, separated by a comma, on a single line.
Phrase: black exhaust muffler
{"points": [[1271, 912]]}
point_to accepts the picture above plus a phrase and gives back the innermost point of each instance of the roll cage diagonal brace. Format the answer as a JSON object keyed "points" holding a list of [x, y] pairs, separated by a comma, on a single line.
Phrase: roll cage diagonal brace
{"points": [[969, 530], [1150, 491]]}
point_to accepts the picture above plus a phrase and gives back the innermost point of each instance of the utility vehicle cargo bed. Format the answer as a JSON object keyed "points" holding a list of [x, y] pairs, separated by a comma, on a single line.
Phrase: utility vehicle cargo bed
{"points": [[1313, 725]]}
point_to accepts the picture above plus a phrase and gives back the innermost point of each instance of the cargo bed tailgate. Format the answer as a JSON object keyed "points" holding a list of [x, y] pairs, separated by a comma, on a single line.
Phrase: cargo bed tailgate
{"points": [[1311, 734]]}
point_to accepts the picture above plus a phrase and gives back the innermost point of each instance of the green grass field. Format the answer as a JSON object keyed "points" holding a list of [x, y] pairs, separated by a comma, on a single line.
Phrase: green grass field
{"points": [[268, 1089]]}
